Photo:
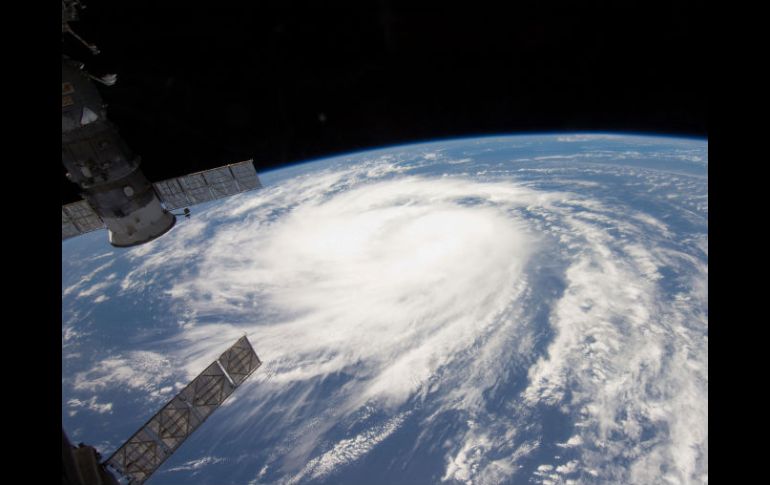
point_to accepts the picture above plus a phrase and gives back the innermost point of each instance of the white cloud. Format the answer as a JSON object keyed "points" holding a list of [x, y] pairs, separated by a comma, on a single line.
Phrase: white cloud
{"points": [[465, 464], [399, 276], [576, 138], [411, 288], [197, 464], [576, 440], [568, 468], [612, 351], [140, 370], [348, 450], [90, 404], [84, 280]]}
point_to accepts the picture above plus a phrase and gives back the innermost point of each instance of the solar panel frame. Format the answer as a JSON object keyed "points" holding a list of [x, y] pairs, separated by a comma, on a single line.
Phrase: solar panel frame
{"points": [[240, 360], [221, 182], [200, 187], [68, 228], [196, 188], [147, 449], [171, 194], [79, 218], [245, 174]]}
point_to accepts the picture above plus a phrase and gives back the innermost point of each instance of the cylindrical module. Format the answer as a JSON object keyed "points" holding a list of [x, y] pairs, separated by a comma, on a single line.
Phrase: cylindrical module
{"points": [[100, 162]]}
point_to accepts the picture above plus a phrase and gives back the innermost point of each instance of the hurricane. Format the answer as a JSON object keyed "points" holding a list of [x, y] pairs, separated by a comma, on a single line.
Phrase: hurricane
{"points": [[523, 309]]}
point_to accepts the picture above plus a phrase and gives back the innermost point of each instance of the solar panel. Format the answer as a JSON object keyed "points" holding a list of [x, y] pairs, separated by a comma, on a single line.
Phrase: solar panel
{"points": [[200, 187], [245, 175], [79, 218], [148, 448], [171, 194], [196, 188], [240, 360], [221, 182]]}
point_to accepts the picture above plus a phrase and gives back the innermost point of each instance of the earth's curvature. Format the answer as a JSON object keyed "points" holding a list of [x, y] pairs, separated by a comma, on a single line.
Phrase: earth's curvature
{"points": [[523, 309]]}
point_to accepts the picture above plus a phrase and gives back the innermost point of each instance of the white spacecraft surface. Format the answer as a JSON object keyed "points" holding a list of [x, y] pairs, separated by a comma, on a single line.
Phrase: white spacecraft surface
{"points": [[176, 193]]}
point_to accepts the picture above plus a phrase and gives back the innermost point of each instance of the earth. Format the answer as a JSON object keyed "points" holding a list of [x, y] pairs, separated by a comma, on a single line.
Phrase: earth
{"points": [[508, 309]]}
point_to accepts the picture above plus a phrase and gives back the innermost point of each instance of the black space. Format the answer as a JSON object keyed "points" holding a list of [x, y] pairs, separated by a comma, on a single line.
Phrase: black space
{"points": [[204, 84]]}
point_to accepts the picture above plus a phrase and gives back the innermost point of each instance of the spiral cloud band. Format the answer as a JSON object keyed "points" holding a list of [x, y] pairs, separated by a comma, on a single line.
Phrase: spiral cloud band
{"points": [[510, 330]]}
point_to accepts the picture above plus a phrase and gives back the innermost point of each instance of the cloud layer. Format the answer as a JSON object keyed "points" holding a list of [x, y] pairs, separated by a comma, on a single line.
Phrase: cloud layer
{"points": [[382, 301]]}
